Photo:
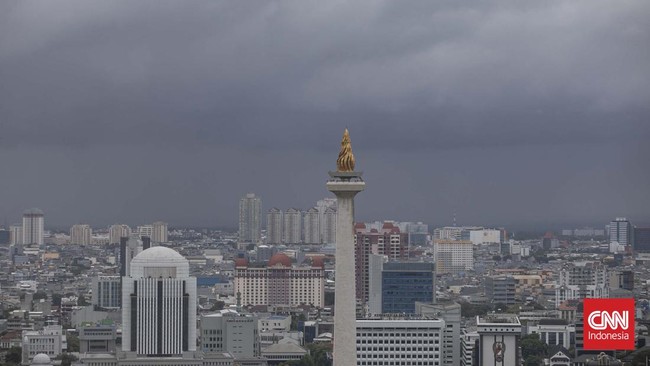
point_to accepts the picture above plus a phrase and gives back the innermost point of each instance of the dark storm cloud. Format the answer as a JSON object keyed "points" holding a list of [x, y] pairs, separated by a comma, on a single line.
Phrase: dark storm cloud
{"points": [[508, 113]]}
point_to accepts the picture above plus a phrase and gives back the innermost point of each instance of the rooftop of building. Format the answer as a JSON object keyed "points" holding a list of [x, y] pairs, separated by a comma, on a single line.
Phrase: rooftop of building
{"points": [[502, 319]]}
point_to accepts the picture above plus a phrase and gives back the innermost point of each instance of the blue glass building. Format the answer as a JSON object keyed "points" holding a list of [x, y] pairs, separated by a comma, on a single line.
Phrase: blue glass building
{"points": [[404, 283]]}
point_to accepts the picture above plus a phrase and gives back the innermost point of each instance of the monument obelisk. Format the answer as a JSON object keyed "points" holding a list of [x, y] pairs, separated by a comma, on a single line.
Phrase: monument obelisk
{"points": [[345, 183]]}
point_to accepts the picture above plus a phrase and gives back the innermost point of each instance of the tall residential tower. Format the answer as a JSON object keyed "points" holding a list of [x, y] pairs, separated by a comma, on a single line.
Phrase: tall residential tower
{"points": [[250, 215]]}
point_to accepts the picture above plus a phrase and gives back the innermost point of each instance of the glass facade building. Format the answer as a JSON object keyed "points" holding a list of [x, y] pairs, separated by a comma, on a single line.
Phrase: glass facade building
{"points": [[404, 283]]}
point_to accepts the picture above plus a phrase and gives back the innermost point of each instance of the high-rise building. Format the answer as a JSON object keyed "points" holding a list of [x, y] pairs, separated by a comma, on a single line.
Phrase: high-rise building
{"points": [[5, 237], [16, 234], [280, 283], [129, 248], [159, 305], [229, 331], [311, 224], [328, 226], [144, 230], [469, 342], [448, 233], [450, 313], [620, 231], [579, 280], [388, 241], [453, 256], [292, 226], [398, 340], [117, 231], [250, 214], [499, 336], [159, 232], [345, 183], [81, 234], [107, 292], [327, 220], [642, 239], [395, 287], [33, 223], [274, 226], [500, 290]]}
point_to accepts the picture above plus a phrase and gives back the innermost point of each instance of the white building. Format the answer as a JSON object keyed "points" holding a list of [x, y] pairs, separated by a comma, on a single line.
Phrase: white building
{"points": [[292, 226], [468, 341], [81, 234], [579, 280], [117, 231], [229, 331], [16, 234], [620, 231], [250, 215], [553, 331], [447, 233], [453, 256], [50, 340], [33, 223], [144, 230], [499, 340], [311, 225], [485, 236], [159, 305], [159, 232], [400, 341], [274, 226]]}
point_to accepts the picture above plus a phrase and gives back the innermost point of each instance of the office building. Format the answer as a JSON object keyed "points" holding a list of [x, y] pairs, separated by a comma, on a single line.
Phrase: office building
{"points": [[453, 256], [144, 230], [450, 313], [501, 290], [97, 338], [16, 234], [229, 331], [468, 344], [448, 233], [80, 234], [5, 237], [292, 226], [397, 340], [33, 226], [117, 231], [579, 280], [50, 340], [250, 215], [280, 283], [274, 226], [345, 183], [388, 241], [129, 248], [107, 292], [642, 239], [311, 225], [620, 231], [418, 233], [499, 336], [621, 279], [482, 236], [395, 287], [159, 305], [159, 232]]}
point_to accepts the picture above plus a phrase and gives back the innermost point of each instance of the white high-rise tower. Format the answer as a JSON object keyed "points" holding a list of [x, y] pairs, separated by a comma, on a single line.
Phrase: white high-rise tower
{"points": [[250, 215], [345, 183], [33, 222], [159, 305]]}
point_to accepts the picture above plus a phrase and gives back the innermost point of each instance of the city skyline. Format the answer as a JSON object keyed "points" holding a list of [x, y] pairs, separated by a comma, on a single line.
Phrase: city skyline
{"points": [[473, 109]]}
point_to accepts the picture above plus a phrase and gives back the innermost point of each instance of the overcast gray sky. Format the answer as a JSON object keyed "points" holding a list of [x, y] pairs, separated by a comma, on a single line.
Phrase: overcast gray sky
{"points": [[513, 113]]}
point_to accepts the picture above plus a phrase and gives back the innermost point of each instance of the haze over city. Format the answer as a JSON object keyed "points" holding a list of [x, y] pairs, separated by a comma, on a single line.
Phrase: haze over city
{"points": [[511, 114]]}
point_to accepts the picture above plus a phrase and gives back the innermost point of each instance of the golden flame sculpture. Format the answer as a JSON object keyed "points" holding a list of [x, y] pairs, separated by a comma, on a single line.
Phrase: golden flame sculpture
{"points": [[345, 162]]}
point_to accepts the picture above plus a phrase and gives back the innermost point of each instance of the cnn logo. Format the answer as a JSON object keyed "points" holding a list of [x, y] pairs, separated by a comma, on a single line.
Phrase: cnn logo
{"points": [[608, 324]]}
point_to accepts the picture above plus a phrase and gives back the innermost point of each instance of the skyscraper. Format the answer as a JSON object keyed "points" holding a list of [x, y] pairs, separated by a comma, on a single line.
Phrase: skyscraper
{"points": [[345, 183], [620, 231], [159, 305], [311, 226], [328, 226], [15, 234], [33, 223], [274, 225], [453, 256], [250, 213], [81, 234], [159, 232], [292, 226], [642, 239], [395, 287], [117, 231]]}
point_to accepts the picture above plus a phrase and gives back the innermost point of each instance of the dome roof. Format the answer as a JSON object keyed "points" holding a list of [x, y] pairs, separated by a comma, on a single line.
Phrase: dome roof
{"points": [[41, 359], [318, 262], [280, 258], [159, 254]]}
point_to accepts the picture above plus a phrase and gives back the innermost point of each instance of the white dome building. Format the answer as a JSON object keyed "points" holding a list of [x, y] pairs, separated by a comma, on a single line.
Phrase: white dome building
{"points": [[41, 359], [159, 305]]}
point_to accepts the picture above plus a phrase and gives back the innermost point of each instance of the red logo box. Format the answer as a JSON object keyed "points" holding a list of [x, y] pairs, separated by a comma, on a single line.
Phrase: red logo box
{"points": [[609, 324]]}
